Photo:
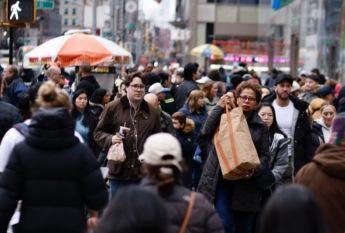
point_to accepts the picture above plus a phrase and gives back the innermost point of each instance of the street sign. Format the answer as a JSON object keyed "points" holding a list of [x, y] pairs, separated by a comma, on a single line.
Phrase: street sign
{"points": [[45, 4], [20, 11]]}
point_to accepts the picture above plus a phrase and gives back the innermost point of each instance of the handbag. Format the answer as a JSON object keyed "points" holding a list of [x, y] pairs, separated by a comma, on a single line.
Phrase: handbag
{"points": [[235, 149], [188, 213], [116, 153]]}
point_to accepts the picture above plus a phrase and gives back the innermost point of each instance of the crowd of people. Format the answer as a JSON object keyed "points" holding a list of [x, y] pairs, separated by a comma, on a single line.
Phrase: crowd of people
{"points": [[59, 135]]}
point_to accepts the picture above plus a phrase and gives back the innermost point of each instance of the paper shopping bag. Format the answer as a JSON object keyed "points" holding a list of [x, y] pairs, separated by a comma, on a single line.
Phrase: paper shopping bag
{"points": [[234, 145]]}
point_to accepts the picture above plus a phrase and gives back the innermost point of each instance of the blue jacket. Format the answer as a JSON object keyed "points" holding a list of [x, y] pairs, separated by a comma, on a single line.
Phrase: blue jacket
{"points": [[198, 118], [13, 91]]}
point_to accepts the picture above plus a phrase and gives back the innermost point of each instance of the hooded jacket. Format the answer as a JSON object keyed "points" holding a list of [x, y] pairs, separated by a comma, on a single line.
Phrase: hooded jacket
{"points": [[325, 177], [54, 175], [9, 116]]}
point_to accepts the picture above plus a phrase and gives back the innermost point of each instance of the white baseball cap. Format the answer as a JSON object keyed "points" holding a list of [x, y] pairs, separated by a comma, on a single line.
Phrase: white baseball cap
{"points": [[162, 149], [157, 88]]}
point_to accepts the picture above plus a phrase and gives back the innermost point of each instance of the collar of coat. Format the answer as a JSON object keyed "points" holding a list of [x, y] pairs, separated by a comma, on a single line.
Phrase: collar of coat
{"points": [[144, 106], [300, 105]]}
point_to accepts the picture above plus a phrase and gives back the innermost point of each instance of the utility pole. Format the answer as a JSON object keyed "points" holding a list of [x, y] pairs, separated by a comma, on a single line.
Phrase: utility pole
{"points": [[94, 16], [112, 19]]}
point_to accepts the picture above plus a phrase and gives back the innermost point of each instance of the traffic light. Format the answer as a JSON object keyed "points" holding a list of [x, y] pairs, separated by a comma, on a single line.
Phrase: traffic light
{"points": [[20, 11]]}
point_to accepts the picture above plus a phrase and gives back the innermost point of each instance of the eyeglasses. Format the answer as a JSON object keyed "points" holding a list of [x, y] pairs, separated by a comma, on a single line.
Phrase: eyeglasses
{"points": [[137, 86], [247, 98]]}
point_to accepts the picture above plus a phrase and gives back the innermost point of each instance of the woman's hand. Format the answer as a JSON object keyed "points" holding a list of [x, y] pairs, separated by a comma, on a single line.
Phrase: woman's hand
{"points": [[225, 100]]}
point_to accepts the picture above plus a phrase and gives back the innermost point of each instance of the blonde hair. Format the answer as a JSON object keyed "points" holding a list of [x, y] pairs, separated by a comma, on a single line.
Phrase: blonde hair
{"points": [[51, 96], [193, 98]]}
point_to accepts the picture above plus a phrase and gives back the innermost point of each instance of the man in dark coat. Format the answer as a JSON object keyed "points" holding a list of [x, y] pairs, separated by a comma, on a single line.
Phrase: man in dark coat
{"points": [[87, 81], [188, 84], [14, 86], [290, 109], [142, 120]]}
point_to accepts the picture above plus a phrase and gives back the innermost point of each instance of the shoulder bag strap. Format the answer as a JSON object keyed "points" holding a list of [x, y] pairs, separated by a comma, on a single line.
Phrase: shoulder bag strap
{"points": [[188, 213]]}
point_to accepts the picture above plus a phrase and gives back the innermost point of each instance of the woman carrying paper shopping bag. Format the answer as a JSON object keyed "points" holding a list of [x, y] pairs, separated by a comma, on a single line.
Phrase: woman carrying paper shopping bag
{"points": [[237, 201]]}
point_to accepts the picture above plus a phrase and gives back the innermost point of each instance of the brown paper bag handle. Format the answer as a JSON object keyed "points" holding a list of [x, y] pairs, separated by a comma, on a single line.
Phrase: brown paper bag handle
{"points": [[188, 213], [231, 135]]}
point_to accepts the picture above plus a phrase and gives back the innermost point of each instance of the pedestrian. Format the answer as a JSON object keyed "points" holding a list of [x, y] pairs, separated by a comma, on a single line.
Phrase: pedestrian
{"points": [[99, 99], [130, 214], [162, 159], [184, 133], [322, 126], [139, 120], [237, 202], [292, 208], [188, 84], [325, 177], [210, 89], [9, 116], [293, 120], [194, 108], [311, 88], [54, 175], [278, 142], [17, 133], [53, 74], [85, 121], [87, 81], [13, 85], [165, 118], [168, 104]]}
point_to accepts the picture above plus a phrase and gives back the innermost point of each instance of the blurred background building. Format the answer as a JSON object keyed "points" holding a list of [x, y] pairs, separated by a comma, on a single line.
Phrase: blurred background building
{"points": [[291, 35]]}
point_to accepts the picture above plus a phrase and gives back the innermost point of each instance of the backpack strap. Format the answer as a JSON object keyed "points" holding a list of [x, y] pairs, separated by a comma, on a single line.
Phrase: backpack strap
{"points": [[22, 128], [188, 213]]}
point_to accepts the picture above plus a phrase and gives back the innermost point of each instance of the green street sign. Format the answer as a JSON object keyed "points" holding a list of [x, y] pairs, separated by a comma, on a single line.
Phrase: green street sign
{"points": [[45, 4]]}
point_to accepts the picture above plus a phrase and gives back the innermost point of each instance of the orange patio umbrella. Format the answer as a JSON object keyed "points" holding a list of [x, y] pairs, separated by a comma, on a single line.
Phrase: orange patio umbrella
{"points": [[76, 49]]}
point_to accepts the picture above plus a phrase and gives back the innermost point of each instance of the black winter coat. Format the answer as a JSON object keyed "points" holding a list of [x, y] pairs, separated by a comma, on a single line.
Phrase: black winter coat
{"points": [[247, 193], [303, 143], [182, 92], [54, 175], [9, 115], [204, 218]]}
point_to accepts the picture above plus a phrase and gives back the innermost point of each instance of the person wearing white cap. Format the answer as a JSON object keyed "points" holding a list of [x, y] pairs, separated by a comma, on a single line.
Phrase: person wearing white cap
{"points": [[163, 165]]}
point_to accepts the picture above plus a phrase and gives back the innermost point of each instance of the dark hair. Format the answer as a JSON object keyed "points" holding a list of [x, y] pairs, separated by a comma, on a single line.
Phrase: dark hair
{"points": [[189, 70], [291, 208], [97, 96], [214, 75], [131, 76], [274, 127], [85, 68], [164, 182], [247, 84], [87, 121], [134, 209], [163, 76]]}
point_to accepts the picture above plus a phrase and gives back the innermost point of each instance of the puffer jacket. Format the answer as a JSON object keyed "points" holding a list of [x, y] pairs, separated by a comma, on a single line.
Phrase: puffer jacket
{"points": [[204, 218], [279, 159], [54, 175], [247, 193]]}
